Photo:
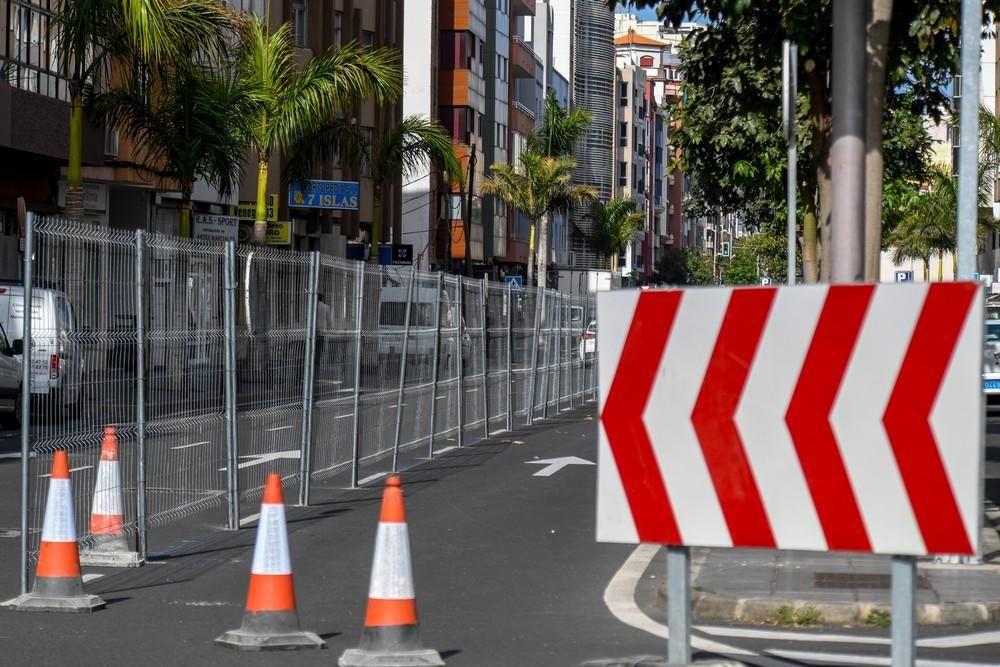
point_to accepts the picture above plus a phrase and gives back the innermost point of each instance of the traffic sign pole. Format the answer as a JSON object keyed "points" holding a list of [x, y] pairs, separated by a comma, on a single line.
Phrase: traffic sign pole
{"points": [[678, 606]]}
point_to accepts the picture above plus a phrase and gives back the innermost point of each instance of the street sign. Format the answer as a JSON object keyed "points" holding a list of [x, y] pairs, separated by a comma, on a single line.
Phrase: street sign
{"points": [[208, 227], [904, 276], [395, 254], [247, 210], [825, 418], [343, 195], [515, 282], [765, 282], [278, 233]]}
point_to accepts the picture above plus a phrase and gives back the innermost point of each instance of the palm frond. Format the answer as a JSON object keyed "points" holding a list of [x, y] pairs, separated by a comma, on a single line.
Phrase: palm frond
{"points": [[412, 143], [340, 137]]}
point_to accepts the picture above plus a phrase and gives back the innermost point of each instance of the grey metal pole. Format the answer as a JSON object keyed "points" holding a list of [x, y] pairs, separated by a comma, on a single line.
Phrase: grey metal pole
{"points": [[229, 360], [435, 360], [402, 371], [678, 606], [789, 76], [550, 347], [142, 522], [486, 374], [968, 152], [539, 304], [356, 436], [308, 381], [847, 155], [29, 250], [904, 615], [510, 359], [560, 308], [461, 364]]}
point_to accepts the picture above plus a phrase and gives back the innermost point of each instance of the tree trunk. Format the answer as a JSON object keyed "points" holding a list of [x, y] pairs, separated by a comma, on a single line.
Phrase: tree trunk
{"points": [[543, 250], [810, 268], [74, 169], [376, 225], [529, 279], [821, 121], [941, 267], [878, 47], [260, 219], [186, 231]]}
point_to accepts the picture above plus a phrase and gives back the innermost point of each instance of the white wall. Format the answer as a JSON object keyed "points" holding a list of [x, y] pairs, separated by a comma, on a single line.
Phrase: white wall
{"points": [[415, 204]]}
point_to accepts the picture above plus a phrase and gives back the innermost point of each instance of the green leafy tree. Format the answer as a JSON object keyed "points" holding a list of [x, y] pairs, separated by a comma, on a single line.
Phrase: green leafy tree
{"points": [[299, 99], [764, 254], [613, 225], [537, 187], [185, 123], [95, 38], [402, 152], [684, 266]]}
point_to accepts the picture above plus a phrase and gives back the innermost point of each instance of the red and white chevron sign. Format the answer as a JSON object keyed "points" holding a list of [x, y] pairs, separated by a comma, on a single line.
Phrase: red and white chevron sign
{"points": [[818, 417]]}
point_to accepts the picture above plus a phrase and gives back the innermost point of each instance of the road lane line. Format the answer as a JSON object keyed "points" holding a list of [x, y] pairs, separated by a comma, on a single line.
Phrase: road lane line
{"points": [[91, 576], [849, 659], [958, 641], [372, 478], [193, 444], [278, 428], [247, 520], [10, 455]]}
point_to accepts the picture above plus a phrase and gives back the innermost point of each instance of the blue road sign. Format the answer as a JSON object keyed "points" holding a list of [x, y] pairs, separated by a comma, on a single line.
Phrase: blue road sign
{"points": [[516, 282], [903, 276], [343, 195]]}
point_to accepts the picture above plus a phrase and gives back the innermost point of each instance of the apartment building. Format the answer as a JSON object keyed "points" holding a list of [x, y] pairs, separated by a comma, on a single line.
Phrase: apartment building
{"points": [[34, 131], [632, 160]]}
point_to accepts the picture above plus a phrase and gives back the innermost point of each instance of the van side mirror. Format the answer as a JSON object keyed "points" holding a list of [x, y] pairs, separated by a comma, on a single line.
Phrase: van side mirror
{"points": [[17, 347]]}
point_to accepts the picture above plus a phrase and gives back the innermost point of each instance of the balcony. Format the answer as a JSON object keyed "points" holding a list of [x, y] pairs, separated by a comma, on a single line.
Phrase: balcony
{"points": [[522, 58], [522, 119], [522, 7]]}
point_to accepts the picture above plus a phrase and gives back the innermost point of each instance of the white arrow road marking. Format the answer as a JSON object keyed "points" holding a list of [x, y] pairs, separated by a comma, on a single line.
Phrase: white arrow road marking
{"points": [[258, 459], [552, 466], [193, 444]]}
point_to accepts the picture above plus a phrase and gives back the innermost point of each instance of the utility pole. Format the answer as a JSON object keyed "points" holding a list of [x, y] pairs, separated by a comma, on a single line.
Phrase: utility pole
{"points": [[968, 152], [468, 211], [847, 155], [789, 71]]}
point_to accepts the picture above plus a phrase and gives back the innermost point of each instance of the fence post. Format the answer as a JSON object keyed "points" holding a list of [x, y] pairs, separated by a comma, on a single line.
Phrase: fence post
{"points": [[308, 380], [26, 402], [461, 364], [510, 360], [142, 523], [486, 368], [539, 302], [560, 307], [402, 370], [356, 437], [229, 356], [436, 359]]}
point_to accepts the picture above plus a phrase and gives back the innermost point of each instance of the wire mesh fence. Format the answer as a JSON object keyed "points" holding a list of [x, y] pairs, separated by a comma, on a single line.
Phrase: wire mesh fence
{"points": [[219, 364]]}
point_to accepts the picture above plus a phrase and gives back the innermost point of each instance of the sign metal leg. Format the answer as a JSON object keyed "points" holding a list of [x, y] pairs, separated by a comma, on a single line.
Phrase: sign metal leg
{"points": [[678, 605], [904, 611]]}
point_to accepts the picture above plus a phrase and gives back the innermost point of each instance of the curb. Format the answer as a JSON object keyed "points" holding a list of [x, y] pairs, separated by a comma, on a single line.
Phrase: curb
{"points": [[653, 661]]}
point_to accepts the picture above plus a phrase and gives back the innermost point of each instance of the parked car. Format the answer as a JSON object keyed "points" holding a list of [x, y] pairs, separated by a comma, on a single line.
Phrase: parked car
{"points": [[588, 341], [57, 361], [11, 379]]}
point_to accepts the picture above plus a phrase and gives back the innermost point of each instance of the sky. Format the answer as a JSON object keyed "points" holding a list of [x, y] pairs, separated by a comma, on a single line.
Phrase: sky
{"points": [[645, 14]]}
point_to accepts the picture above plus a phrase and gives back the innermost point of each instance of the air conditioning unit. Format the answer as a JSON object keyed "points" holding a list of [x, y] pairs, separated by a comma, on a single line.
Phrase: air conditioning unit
{"points": [[111, 142]]}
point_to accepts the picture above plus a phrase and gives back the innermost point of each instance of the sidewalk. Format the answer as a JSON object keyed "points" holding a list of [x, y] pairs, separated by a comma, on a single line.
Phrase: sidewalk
{"points": [[786, 588]]}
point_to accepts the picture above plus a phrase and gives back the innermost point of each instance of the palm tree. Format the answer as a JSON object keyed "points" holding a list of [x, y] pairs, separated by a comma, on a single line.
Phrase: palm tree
{"points": [[186, 123], [95, 37], [401, 152], [614, 225], [539, 186], [297, 100]]}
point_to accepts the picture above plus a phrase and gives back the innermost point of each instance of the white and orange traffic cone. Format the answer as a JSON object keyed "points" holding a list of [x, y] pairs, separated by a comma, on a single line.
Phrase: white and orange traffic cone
{"points": [[58, 582], [391, 637], [107, 517], [270, 621]]}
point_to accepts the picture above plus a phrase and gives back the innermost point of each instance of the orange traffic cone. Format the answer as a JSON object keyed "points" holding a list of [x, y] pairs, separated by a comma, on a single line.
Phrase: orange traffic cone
{"points": [[391, 636], [58, 584], [270, 621], [107, 520]]}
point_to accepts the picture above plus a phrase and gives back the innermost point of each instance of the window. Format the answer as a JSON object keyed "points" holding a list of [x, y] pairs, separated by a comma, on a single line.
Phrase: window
{"points": [[338, 29], [300, 20], [623, 134], [622, 174], [32, 61], [367, 133], [249, 6], [646, 61], [501, 136], [623, 95], [502, 68], [368, 39], [503, 6]]}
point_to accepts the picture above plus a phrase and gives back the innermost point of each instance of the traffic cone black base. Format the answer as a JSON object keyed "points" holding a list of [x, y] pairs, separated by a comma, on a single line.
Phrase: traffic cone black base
{"points": [[270, 631], [357, 657], [40, 601], [113, 552]]}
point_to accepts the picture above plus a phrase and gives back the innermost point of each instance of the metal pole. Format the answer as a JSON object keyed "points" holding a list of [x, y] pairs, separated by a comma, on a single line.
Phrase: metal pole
{"points": [[539, 303], [904, 614], [436, 358], [678, 606], [356, 436], [486, 374], [229, 357], [26, 400], [510, 360], [308, 381], [789, 76], [140, 397], [402, 371], [968, 152], [461, 365], [560, 308], [847, 155]]}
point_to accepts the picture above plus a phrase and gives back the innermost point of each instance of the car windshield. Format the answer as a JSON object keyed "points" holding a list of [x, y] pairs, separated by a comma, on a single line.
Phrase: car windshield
{"points": [[993, 331]]}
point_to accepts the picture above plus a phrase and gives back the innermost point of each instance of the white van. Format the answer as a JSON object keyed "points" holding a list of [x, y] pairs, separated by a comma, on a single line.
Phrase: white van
{"points": [[56, 358], [392, 318]]}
